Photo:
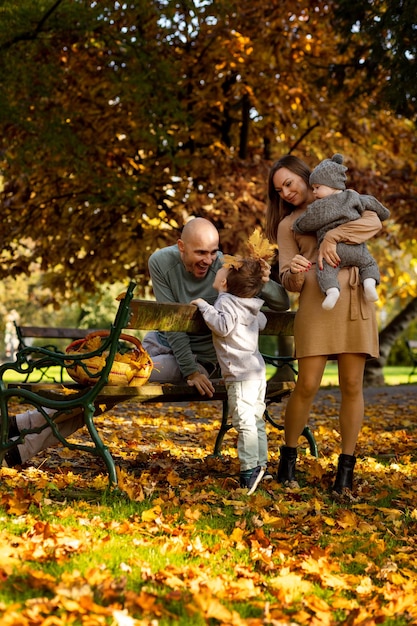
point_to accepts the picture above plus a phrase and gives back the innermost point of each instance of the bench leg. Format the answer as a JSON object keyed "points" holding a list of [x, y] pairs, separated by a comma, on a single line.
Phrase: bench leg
{"points": [[311, 441], [224, 428], [100, 448], [306, 433]]}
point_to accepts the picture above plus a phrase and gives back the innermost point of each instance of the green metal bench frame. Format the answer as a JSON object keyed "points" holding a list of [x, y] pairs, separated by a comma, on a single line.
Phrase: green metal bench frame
{"points": [[84, 399]]}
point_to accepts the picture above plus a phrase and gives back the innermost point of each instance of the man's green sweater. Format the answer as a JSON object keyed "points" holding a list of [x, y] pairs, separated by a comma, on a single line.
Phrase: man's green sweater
{"points": [[173, 283]]}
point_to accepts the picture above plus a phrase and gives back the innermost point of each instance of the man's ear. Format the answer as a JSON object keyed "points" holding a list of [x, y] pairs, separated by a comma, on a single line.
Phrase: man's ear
{"points": [[180, 245]]}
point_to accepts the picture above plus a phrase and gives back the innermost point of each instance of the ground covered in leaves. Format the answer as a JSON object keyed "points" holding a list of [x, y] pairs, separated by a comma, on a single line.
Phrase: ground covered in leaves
{"points": [[182, 544]]}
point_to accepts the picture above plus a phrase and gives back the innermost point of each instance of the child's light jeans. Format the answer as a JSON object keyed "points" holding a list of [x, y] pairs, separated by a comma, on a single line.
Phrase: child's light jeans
{"points": [[247, 406]]}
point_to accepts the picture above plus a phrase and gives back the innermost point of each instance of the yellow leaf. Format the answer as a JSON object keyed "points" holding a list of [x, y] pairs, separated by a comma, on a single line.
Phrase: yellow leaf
{"points": [[237, 535], [151, 514], [230, 261], [213, 609], [270, 519], [259, 246]]}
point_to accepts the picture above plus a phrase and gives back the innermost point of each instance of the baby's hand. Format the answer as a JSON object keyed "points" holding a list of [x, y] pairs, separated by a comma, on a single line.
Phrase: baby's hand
{"points": [[197, 301]]}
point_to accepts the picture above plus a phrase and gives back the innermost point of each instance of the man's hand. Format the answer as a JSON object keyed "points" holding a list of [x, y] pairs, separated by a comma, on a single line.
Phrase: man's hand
{"points": [[203, 385], [327, 251]]}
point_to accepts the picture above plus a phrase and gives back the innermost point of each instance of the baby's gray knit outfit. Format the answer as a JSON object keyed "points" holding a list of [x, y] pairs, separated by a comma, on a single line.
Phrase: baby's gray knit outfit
{"points": [[327, 213]]}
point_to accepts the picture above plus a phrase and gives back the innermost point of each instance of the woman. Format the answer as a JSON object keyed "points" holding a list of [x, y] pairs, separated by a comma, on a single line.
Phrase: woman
{"points": [[347, 333]]}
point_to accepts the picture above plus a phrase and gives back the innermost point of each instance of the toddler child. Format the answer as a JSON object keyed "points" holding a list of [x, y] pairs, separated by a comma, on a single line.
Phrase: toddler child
{"points": [[235, 320]]}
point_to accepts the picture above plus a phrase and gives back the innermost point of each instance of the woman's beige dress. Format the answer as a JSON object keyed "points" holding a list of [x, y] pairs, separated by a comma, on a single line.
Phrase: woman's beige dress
{"points": [[351, 326]]}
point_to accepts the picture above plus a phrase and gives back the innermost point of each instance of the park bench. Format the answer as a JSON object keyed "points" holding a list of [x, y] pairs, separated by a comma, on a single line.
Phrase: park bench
{"points": [[132, 314], [412, 350], [25, 335]]}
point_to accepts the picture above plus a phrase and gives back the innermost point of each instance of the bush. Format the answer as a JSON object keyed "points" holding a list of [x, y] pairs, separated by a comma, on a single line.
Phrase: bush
{"points": [[399, 354]]}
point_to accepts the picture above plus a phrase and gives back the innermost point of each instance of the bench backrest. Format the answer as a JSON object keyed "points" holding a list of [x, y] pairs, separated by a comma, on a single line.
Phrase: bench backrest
{"points": [[44, 332], [150, 315]]}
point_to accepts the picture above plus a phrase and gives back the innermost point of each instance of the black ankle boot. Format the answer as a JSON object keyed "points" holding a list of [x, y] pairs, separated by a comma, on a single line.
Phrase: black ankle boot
{"points": [[286, 467], [344, 476]]}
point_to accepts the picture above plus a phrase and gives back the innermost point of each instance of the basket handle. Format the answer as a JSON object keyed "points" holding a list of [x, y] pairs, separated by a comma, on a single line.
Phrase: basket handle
{"points": [[105, 333]]}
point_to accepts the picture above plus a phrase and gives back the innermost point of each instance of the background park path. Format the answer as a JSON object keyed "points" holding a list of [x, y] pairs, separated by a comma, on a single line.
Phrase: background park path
{"points": [[402, 394]]}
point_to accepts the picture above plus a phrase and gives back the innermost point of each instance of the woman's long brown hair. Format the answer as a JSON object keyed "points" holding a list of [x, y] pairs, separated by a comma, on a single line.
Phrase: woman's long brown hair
{"points": [[277, 208]]}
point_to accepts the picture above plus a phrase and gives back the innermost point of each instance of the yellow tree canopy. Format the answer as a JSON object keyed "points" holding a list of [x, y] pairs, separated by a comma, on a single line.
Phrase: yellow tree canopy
{"points": [[120, 121]]}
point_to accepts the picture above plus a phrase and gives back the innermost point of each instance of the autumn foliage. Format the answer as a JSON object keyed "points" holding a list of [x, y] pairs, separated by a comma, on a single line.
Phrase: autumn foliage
{"points": [[182, 543], [119, 121]]}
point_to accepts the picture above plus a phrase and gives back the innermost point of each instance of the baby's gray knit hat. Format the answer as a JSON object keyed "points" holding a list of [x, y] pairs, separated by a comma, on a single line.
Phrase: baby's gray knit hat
{"points": [[330, 172]]}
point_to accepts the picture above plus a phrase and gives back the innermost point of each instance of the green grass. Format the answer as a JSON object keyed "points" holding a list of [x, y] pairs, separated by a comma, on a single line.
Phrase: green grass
{"points": [[393, 375], [190, 548], [53, 374], [164, 566]]}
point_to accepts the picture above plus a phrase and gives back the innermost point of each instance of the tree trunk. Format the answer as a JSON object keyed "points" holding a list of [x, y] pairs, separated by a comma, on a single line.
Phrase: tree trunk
{"points": [[244, 128], [374, 368]]}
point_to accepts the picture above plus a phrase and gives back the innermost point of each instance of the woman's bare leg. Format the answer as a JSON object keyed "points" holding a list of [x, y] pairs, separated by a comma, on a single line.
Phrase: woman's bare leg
{"points": [[310, 373], [351, 369]]}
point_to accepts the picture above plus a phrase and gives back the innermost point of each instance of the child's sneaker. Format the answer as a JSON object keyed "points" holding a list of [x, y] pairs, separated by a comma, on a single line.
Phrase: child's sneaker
{"points": [[267, 475], [251, 480]]}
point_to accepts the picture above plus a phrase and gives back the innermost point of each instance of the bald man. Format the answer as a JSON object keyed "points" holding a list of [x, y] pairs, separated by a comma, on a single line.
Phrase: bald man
{"points": [[181, 273]]}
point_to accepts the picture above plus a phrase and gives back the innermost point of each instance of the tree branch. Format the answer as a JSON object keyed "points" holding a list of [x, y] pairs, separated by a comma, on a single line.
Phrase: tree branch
{"points": [[31, 35], [307, 132]]}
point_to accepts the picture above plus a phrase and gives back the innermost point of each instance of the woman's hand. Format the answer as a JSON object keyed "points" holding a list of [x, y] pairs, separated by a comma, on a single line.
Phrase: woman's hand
{"points": [[327, 251], [299, 264]]}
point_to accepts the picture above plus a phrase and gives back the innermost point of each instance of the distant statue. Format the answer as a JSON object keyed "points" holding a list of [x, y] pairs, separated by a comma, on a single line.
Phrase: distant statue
{"points": [[11, 342]]}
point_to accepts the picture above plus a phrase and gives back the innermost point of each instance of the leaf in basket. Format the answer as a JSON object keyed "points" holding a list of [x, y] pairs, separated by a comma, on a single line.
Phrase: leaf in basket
{"points": [[144, 359], [92, 343], [68, 392], [123, 358]]}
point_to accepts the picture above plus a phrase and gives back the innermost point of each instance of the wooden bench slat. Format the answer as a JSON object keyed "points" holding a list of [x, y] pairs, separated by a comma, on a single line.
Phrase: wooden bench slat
{"points": [[171, 317], [149, 315], [44, 332], [151, 392]]}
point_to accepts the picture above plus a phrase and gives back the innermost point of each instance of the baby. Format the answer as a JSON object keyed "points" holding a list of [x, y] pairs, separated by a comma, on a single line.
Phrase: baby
{"points": [[337, 205]]}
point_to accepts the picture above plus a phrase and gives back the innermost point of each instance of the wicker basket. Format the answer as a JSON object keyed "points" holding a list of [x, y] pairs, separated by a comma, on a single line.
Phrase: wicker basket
{"points": [[130, 369]]}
